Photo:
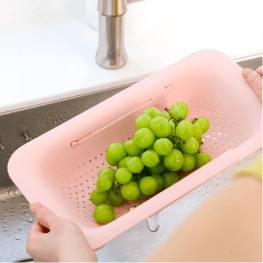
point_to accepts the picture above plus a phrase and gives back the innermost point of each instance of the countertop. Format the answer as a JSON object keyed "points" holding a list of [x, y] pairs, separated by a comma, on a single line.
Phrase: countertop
{"points": [[53, 57]]}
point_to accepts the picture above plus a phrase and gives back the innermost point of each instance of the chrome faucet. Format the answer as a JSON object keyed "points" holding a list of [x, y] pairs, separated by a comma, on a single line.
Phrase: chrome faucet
{"points": [[111, 53]]}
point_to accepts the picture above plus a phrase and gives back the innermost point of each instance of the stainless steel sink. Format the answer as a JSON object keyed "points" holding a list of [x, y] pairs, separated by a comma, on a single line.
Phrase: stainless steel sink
{"points": [[17, 128]]}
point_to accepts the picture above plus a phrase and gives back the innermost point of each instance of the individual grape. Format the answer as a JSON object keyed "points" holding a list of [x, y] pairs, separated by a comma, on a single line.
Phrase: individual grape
{"points": [[108, 172], [172, 128], [150, 158], [198, 132], [185, 130], [116, 151], [104, 214], [179, 110], [130, 191], [158, 169], [148, 185], [160, 127], [174, 160], [190, 146], [189, 162], [123, 175], [202, 158], [159, 180], [123, 162], [114, 198], [104, 183], [153, 112], [135, 165], [166, 115], [98, 197], [204, 123], [132, 149], [142, 196], [111, 161], [170, 179], [163, 146], [143, 121], [144, 138]]}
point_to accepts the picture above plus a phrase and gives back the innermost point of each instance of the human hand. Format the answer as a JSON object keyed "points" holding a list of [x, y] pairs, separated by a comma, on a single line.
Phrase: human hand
{"points": [[254, 80], [55, 239]]}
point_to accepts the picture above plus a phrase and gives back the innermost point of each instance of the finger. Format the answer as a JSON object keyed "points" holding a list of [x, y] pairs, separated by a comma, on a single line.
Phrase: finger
{"points": [[35, 230], [43, 215], [259, 70], [254, 80]]}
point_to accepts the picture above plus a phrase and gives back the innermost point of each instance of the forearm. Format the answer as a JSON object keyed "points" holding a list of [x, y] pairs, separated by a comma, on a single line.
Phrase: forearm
{"points": [[226, 228]]}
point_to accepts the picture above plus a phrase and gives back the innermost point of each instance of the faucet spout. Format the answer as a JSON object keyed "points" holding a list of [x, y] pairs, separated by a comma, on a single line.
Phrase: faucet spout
{"points": [[111, 53]]}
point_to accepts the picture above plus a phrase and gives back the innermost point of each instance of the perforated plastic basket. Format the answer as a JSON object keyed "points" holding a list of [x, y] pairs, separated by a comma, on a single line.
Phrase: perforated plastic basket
{"points": [[59, 169]]}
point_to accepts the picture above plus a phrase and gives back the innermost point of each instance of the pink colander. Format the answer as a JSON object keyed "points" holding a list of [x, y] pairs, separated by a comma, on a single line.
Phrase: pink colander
{"points": [[59, 169]]}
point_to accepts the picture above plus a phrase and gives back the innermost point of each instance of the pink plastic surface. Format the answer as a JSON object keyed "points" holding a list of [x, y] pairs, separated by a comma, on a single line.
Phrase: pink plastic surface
{"points": [[51, 171]]}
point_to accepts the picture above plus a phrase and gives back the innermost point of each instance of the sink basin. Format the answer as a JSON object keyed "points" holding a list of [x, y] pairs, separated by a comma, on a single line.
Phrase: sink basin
{"points": [[20, 126]]}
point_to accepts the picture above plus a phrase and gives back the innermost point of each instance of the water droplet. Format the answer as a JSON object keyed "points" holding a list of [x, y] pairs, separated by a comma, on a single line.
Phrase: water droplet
{"points": [[153, 223], [30, 220]]}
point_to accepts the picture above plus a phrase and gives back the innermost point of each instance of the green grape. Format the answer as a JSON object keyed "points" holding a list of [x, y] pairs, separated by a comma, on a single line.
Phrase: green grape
{"points": [[148, 185], [153, 112], [143, 121], [123, 162], [135, 165], [150, 158], [174, 160], [190, 146], [114, 198], [204, 123], [116, 151], [104, 183], [123, 175], [144, 138], [189, 162], [132, 149], [202, 158], [159, 180], [179, 110], [185, 130], [172, 128], [163, 146], [108, 172], [98, 197], [170, 179], [166, 115], [111, 161], [198, 131], [130, 191], [158, 169], [160, 127], [104, 214], [142, 196]]}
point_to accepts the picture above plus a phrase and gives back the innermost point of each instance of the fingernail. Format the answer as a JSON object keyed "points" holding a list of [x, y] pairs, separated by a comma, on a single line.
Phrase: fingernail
{"points": [[34, 207], [246, 72]]}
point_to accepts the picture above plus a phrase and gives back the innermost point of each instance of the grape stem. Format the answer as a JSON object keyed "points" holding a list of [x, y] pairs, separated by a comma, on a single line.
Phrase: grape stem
{"points": [[194, 120]]}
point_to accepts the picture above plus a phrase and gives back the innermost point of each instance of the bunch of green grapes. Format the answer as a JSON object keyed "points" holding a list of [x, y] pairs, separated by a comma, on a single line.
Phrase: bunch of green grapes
{"points": [[163, 144]]}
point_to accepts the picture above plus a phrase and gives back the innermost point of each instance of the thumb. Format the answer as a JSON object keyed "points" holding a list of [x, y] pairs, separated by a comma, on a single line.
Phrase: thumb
{"points": [[43, 215], [254, 80]]}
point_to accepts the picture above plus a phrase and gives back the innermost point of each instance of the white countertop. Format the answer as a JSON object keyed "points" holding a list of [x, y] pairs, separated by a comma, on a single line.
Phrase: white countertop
{"points": [[54, 58]]}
